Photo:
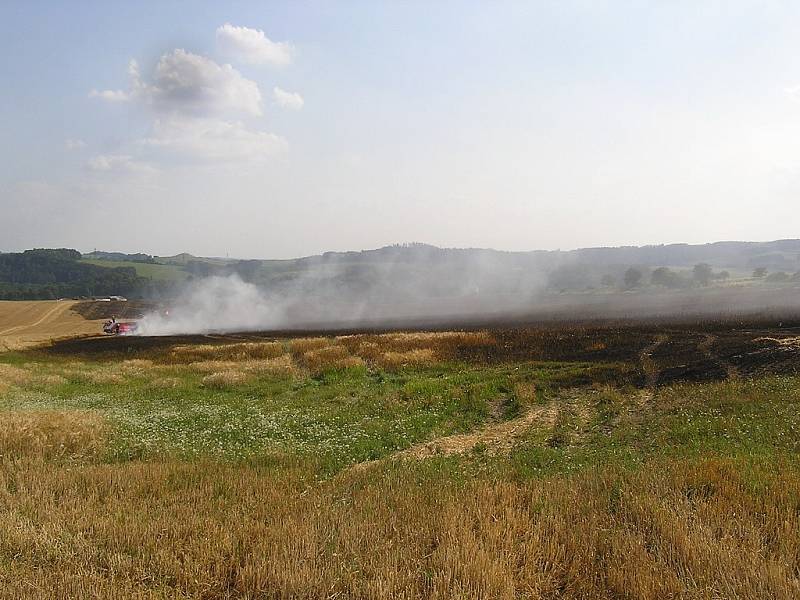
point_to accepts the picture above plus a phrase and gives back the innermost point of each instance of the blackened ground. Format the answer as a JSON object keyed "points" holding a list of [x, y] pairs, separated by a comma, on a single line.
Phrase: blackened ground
{"points": [[696, 351]]}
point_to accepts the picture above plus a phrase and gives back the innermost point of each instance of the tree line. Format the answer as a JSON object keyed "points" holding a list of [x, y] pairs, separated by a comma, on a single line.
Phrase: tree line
{"points": [[48, 274]]}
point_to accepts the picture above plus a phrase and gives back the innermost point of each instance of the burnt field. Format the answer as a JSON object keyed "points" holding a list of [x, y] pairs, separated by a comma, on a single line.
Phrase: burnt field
{"points": [[661, 351], [648, 459]]}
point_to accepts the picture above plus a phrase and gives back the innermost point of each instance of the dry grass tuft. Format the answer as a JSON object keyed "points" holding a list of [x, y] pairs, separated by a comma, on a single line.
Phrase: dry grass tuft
{"points": [[349, 362], [137, 367], [11, 375], [51, 379], [303, 345], [443, 345], [236, 352], [165, 382], [105, 376], [525, 393], [410, 358], [137, 363], [368, 350], [330, 357], [225, 380], [212, 366], [282, 366], [51, 434]]}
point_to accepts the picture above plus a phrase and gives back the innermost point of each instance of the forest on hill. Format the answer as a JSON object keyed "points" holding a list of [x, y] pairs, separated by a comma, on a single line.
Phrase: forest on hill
{"points": [[48, 274]]}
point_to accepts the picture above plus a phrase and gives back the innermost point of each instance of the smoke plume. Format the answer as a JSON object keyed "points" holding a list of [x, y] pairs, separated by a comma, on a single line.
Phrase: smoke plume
{"points": [[215, 304]]}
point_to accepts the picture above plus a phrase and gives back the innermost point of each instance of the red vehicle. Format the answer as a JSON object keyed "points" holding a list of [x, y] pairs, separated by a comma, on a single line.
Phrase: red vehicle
{"points": [[114, 327]]}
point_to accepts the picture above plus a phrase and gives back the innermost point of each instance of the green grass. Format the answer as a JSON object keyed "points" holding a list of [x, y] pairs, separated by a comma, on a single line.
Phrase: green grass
{"points": [[341, 417], [742, 420], [157, 272]]}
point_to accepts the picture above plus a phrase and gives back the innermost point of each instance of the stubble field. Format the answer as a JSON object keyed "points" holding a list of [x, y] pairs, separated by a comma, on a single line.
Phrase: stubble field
{"points": [[625, 461]]}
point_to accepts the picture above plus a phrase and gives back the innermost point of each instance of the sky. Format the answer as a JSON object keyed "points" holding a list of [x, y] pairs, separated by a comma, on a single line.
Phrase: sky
{"points": [[284, 129]]}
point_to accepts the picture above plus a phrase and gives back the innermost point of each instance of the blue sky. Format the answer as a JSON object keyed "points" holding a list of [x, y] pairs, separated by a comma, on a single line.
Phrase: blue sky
{"points": [[313, 126]]}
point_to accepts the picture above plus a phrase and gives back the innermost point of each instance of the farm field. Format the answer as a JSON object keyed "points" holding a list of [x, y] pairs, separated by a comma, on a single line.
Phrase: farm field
{"points": [[27, 323], [611, 461], [155, 271]]}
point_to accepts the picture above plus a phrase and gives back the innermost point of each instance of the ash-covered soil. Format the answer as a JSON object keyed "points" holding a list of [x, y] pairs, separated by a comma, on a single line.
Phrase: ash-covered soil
{"points": [[696, 351]]}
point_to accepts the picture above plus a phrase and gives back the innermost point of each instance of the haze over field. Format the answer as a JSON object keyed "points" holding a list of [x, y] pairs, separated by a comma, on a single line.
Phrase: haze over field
{"points": [[285, 129]]}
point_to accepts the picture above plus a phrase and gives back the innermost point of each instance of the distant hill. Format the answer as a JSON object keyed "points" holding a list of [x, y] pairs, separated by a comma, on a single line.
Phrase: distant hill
{"points": [[775, 255], [414, 270], [780, 254], [405, 272]]}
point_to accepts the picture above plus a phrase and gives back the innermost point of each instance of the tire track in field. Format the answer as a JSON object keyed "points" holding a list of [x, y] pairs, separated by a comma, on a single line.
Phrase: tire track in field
{"points": [[52, 313], [497, 438], [650, 368]]}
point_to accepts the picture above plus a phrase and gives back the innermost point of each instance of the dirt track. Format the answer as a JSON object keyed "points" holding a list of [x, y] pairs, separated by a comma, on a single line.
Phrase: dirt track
{"points": [[24, 324]]}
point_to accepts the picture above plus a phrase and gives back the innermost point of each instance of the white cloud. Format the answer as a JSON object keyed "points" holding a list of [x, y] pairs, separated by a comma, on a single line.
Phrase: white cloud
{"points": [[110, 95], [252, 46], [184, 82], [291, 100], [196, 104], [213, 140], [188, 82], [74, 144], [118, 163]]}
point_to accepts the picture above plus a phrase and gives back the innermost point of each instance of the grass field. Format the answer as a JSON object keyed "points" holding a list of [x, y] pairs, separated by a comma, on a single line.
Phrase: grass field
{"points": [[489, 464], [157, 272]]}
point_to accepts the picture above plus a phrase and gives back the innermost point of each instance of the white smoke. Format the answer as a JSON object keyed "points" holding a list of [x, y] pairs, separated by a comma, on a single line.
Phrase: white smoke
{"points": [[421, 286], [215, 304]]}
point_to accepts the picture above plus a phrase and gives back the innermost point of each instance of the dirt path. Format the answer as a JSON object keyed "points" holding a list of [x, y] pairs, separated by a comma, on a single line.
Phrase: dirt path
{"points": [[650, 368], [497, 438], [23, 323], [709, 339]]}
